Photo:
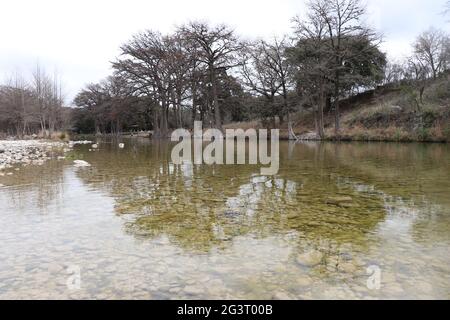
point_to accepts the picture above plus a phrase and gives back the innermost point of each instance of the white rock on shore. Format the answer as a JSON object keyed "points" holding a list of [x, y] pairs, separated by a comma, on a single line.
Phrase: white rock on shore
{"points": [[74, 143], [26, 152]]}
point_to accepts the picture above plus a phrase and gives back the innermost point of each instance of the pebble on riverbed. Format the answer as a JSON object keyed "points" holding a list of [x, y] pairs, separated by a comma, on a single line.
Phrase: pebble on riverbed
{"points": [[341, 201], [81, 163], [310, 259]]}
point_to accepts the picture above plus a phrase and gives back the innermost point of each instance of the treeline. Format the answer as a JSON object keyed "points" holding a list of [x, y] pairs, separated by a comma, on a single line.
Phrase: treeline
{"points": [[33, 107], [206, 72], [430, 59]]}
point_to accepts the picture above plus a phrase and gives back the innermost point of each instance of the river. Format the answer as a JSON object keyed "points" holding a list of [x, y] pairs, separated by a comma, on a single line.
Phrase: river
{"points": [[339, 221]]}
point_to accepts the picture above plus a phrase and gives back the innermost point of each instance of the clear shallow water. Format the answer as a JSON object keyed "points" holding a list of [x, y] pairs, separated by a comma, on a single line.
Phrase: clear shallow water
{"points": [[139, 227]]}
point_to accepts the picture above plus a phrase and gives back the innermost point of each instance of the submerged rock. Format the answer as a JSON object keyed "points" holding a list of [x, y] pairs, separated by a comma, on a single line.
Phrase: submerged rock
{"points": [[348, 267], [74, 143], [231, 214], [345, 256], [193, 290], [81, 163], [281, 295], [310, 259], [304, 282], [339, 201]]}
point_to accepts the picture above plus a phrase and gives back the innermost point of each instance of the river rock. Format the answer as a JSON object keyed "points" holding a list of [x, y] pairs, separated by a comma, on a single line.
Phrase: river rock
{"points": [[74, 143], [348, 267], [281, 295], [304, 282], [424, 287], [24, 151], [193, 290], [310, 259], [81, 163], [339, 201]]}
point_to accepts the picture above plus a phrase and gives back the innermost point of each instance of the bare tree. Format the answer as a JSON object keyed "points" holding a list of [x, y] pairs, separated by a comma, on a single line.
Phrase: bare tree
{"points": [[342, 20], [145, 66], [431, 50], [417, 72], [216, 48], [181, 64], [312, 59], [32, 107], [394, 72], [267, 72], [279, 61], [49, 100], [16, 106]]}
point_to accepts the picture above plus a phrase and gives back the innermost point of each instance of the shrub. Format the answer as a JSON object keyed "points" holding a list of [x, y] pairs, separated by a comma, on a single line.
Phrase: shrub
{"points": [[446, 132], [423, 134], [60, 135]]}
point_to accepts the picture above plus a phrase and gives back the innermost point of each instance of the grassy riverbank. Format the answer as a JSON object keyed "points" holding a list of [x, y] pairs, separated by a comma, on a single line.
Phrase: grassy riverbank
{"points": [[393, 113]]}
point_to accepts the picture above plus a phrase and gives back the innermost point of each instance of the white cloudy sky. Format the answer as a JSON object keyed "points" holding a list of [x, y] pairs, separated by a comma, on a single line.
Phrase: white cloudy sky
{"points": [[79, 37]]}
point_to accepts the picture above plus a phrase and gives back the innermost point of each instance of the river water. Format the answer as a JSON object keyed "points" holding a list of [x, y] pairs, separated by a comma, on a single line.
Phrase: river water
{"points": [[375, 218]]}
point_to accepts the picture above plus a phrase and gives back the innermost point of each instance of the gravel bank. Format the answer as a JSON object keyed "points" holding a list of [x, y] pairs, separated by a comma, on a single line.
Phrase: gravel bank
{"points": [[28, 152]]}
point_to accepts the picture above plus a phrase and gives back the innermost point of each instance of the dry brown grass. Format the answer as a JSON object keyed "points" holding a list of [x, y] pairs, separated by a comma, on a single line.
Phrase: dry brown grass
{"points": [[255, 124], [60, 136]]}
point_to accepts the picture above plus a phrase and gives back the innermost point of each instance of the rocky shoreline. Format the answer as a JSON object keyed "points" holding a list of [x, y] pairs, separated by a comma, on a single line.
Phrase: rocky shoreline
{"points": [[29, 152]]}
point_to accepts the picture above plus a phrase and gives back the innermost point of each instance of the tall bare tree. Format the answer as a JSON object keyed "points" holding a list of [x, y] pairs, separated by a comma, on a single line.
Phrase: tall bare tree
{"points": [[216, 48], [144, 63], [260, 74], [49, 99], [16, 106], [342, 20], [312, 60], [431, 50]]}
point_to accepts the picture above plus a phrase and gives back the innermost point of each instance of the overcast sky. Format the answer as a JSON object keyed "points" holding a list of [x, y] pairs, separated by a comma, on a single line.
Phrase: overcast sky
{"points": [[79, 38]]}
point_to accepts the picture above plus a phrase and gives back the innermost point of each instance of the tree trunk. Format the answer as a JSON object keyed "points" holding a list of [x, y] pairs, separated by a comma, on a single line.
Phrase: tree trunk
{"points": [[163, 120], [336, 106], [217, 115], [156, 116], [320, 129]]}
